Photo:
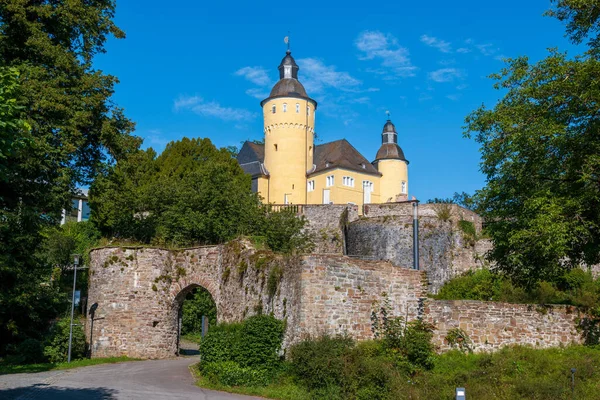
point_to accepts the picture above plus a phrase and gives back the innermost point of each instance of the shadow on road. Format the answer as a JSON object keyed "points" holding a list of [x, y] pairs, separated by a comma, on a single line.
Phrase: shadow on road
{"points": [[57, 393]]}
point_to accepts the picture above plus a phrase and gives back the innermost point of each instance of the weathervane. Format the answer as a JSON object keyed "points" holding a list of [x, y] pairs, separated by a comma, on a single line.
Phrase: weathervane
{"points": [[286, 40], [388, 114]]}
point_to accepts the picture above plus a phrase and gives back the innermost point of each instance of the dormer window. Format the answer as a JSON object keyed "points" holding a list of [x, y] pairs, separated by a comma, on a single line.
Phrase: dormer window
{"points": [[284, 107], [274, 109], [363, 166]]}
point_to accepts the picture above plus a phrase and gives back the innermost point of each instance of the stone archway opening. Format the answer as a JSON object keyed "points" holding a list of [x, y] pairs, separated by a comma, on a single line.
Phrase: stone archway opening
{"points": [[196, 313]]}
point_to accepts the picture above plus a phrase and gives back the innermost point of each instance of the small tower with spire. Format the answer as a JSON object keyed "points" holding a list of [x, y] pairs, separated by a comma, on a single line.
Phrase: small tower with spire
{"points": [[392, 164], [289, 121]]}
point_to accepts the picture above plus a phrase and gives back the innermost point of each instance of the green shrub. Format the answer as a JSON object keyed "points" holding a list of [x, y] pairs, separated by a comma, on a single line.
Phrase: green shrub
{"points": [[57, 347], [284, 232], [319, 363], [220, 344], [255, 343], [230, 373], [260, 341], [29, 351]]}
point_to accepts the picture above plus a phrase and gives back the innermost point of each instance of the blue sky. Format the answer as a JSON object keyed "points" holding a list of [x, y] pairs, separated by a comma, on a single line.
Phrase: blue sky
{"points": [[200, 68]]}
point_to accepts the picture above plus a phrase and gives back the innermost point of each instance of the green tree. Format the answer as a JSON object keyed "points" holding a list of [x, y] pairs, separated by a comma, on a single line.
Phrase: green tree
{"points": [[541, 155], [71, 131], [196, 304], [191, 193]]}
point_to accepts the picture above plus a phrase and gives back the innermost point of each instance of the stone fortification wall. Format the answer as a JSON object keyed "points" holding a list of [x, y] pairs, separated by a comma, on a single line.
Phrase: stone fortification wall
{"points": [[140, 290], [491, 325], [326, 223], [338, 294], [444, 251], [405, 209]]}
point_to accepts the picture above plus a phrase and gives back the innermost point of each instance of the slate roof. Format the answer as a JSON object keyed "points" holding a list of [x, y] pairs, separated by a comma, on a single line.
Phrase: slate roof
{"points": [[341, 154], [327, 156], [390, 151], [251, 158]]}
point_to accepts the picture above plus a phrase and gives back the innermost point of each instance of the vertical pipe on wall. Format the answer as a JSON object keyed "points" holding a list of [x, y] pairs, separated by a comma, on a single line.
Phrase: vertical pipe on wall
{"points": [[415, 205]]}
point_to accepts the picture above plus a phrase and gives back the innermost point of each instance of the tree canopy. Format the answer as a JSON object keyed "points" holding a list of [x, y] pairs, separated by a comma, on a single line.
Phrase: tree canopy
{"points": [[192, 193], [58, 129], [541, 155]]}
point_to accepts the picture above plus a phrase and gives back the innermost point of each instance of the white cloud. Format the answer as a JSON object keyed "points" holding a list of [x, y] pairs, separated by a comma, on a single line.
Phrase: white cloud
{"points": [[463, 50], [439, 44], [319, 76], [462, 86], [453, 97], [445, 74], [256, 75], [486, 49], [258, 93], [376, 45], [199, 106]]}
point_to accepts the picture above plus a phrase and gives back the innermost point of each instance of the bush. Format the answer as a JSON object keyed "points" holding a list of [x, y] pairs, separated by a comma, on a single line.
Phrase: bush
{"points": [[260, 341], [230, 373], [57, 347], [255, 343], [284, 232], [319, 363], [29, 351], [220, 344]]}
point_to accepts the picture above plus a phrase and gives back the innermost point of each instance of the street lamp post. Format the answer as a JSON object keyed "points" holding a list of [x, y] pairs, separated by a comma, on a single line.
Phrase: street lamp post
{"points": [[75, 265]]}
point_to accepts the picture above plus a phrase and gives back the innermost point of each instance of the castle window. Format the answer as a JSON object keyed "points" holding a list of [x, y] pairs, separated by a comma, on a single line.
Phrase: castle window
{"points": [[310, 186], [368, 186], [330, 180], [348, 181], [403, 187], [275, 147], [307, 110], [284, 107], [297, 108], [274, 109]]}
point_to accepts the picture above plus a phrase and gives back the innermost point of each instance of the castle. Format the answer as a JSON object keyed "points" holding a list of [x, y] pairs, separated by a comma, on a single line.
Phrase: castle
{"points": [[290, 169]]}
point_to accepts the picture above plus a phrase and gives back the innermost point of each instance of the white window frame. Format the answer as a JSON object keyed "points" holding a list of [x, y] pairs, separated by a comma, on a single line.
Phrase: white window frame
{"points": [[274, 109], [330, 181], [368, 185], [284, 107], [348, 181], [403, 190], [297, 108], [310, 185]]}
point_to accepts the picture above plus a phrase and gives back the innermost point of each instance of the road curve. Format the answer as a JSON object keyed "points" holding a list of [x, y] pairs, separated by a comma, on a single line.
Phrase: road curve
{"points": [[138, 380]]}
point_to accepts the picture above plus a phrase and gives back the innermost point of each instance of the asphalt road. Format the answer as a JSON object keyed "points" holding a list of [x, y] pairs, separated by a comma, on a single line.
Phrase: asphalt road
{"points": [[144, 380]]}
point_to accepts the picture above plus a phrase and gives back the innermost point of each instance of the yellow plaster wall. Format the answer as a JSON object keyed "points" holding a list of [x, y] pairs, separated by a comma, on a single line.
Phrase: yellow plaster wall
{"points": [[293, 133], [263, 187], [394, 173], [340, 194]]}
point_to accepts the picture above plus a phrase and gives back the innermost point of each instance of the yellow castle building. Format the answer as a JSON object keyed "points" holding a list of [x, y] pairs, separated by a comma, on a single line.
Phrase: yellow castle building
{"points": [[290, 169]]}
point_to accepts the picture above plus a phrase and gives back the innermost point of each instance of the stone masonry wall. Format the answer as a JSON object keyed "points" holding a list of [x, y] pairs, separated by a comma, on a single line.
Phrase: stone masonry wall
{"points": [[140, 290], [326, 223], [338, 294], [492, 325], [443, 250]]}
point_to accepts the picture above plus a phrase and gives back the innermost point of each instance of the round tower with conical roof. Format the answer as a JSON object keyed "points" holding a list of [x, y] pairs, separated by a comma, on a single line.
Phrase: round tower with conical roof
{"points": [[289, 121], [392, 164]]}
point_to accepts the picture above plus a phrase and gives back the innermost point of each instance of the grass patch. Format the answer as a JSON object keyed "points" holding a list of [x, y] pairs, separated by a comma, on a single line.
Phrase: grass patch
{"points": [[511, 373], [283, 388], [30, 368]]}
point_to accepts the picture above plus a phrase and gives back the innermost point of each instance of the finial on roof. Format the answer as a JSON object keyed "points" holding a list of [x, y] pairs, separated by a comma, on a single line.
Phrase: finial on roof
{"points": [[388, 115], [286, 40]]}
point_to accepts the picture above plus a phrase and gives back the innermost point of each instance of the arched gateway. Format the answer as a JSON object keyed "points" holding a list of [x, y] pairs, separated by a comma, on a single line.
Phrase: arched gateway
{"points": [[139, 292]]}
